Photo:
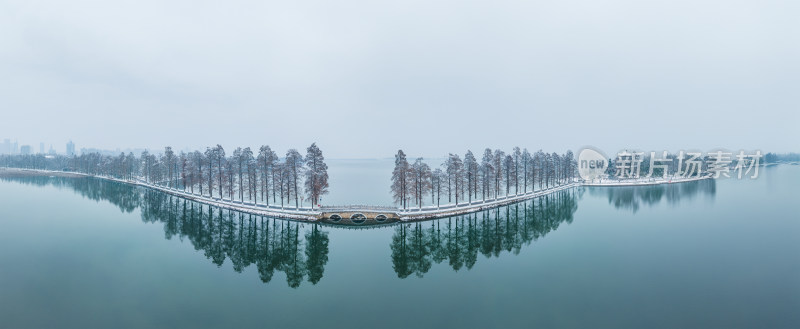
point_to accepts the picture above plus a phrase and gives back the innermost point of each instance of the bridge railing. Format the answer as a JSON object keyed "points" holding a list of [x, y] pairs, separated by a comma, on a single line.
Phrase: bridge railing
{"points": [[357, 207]]}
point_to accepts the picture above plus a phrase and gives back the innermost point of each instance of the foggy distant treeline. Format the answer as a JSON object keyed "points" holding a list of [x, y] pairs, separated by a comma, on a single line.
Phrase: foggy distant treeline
{"points": [[783, 157]]}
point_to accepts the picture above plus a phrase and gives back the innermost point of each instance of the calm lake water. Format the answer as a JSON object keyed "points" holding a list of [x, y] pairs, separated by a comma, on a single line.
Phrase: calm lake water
{"points": [[80, 252]]}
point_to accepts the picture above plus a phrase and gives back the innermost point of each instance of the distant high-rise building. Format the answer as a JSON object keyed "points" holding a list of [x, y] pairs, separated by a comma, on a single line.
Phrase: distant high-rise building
{"points": [[51, 151], [15, 148], [25, 150], [5, 148], [41, 148], [70, 148]]}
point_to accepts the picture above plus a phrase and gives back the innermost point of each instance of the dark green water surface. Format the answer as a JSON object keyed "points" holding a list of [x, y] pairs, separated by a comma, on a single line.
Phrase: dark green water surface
{"points": [[82, 252]]}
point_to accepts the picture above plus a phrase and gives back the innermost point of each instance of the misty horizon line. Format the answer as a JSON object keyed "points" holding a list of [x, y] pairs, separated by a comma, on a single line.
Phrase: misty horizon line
{"points": [[158, 150]]}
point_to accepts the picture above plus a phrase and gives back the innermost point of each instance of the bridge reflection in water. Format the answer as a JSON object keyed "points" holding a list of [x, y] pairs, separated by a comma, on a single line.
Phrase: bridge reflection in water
{"points": [[300, 250]]}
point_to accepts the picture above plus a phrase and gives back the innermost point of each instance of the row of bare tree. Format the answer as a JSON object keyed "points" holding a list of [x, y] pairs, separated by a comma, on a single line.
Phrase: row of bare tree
{"points": [[496, 174], [244, 175]]}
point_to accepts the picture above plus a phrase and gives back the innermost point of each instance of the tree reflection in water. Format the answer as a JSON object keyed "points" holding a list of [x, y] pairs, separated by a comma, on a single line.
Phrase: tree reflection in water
{"points": [[416, 246], [245, 239], [272, 244], [276, 245], [120, 195], [633, 197]]}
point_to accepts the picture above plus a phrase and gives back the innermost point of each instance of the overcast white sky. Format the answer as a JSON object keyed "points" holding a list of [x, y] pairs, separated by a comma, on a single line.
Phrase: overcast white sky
{"points": [[364, 78]]}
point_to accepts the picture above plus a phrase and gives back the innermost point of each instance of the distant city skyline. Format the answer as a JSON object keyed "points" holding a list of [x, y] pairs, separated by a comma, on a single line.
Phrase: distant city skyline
{"points": [[8, 147]]}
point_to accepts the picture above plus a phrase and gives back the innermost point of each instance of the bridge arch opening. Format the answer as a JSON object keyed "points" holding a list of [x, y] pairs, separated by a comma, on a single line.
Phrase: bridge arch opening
{"points": [[335, 217], [358, 218], [381, 218]]}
